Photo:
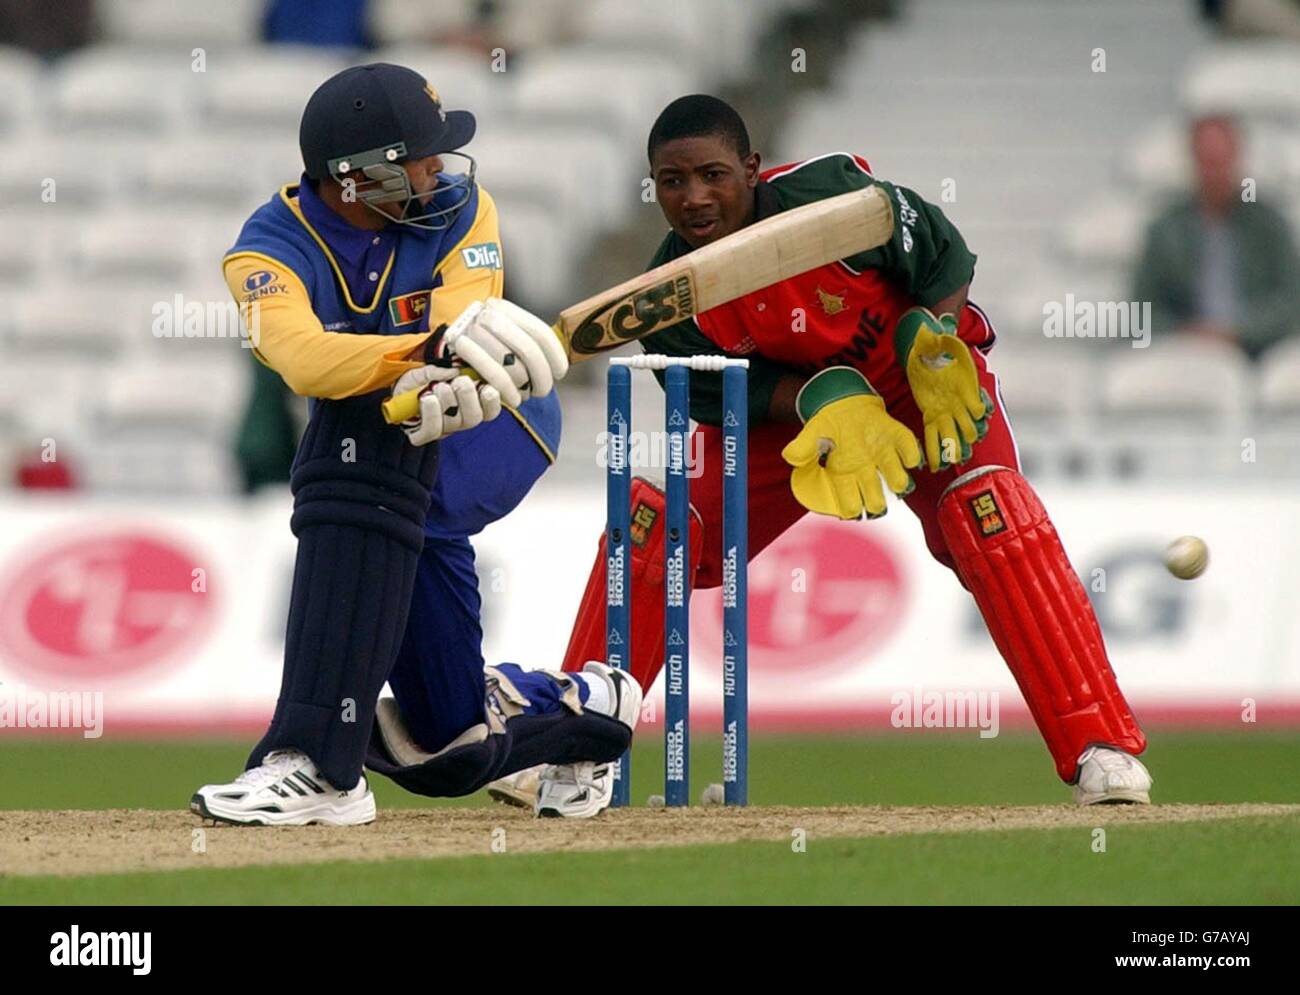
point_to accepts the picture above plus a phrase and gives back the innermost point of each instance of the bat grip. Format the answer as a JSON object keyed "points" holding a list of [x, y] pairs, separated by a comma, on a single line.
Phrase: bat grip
{"points": [[406, 405]]}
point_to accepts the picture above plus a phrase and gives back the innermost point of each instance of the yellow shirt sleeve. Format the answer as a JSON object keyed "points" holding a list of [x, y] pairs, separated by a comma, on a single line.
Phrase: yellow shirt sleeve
{"points": [[288, 337], [473, 270]]}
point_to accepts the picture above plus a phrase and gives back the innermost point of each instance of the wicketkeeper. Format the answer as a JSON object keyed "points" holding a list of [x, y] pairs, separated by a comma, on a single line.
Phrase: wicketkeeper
{"points": [[872, 368]]}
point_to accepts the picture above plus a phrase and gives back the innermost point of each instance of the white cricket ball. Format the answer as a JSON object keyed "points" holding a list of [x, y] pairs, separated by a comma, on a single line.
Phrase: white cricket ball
{"points": [[655, 801], [1187, 557], [713, 795]]}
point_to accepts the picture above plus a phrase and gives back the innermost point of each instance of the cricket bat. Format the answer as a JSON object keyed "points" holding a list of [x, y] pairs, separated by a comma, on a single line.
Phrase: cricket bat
{"points": [[755, 257]]}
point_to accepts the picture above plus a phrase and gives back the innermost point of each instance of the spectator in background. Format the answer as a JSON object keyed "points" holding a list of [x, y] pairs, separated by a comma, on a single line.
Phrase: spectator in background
{"points": [[1254, 18], [50, 28], [269, 430], [331, 23], [1218, 265], [33, 473]]}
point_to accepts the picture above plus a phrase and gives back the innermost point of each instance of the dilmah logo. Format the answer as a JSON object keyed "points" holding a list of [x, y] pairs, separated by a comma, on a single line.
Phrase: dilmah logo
{"points": [[102, 949]]}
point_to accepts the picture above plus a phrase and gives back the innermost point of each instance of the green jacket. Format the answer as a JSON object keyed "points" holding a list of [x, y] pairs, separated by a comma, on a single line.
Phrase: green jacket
{"points": [[1267, 271]]}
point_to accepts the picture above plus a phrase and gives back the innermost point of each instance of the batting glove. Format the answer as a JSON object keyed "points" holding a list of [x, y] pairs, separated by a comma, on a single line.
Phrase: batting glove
{"points": [[513, 350], [449, 402]]}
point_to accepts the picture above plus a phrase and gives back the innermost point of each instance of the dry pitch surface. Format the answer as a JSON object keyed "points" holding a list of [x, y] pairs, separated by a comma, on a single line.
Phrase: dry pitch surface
{"points": [[119, 840]]}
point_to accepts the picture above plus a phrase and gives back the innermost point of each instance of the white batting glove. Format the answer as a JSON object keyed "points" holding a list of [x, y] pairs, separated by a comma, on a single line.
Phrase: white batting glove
{"points": [[510, 348], [449, 402]]}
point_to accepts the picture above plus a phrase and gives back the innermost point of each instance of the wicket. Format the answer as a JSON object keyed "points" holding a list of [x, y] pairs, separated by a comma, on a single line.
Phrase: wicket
{"points": [[735, 565]]}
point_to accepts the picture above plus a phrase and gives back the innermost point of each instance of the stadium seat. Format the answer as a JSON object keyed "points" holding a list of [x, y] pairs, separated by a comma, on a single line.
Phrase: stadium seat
{"points": [[587, 180], [108, 89], [23, 250], [83, 176], [165, 426], [1278, 390], [719, 37], [556, 87], [401, 21], [1252, 78], [265, 90], [40, 399], [463, 79], [1157, 160], [191, 395], [167, 463], [1182, 378], [192, 25], [20, 76], [1043, 383], [132, 247], [217, 172], [539, 254], [72, 321], [1043, 390], [1177, 410], [1106, 232]]}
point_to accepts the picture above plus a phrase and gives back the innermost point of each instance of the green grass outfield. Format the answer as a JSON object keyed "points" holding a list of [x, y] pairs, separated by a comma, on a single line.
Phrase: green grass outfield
{"points": [[1245, 860]]}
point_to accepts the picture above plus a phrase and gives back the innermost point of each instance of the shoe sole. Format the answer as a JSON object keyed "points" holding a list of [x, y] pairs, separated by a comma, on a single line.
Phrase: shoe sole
{"points": [[1116, 798], [555, 813], [511, 797], [357, 813]]}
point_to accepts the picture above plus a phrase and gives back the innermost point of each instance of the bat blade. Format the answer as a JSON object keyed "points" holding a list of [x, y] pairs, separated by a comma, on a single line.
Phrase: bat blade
{"points": [[755, 257]]}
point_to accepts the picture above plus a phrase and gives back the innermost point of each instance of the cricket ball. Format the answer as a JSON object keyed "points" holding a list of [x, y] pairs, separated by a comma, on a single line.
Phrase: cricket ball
{"points": [[1187, 557]]}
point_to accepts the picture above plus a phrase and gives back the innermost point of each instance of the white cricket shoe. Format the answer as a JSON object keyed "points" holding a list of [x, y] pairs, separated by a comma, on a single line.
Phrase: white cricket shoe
{"points": [[518, 789], [582, 790], [574, 791], [1108, 776], [286, 790]]}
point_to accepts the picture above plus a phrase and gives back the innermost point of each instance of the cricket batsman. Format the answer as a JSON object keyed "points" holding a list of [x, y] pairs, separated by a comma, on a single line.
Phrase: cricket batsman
{"points": [[872, 368], [381, 271]]}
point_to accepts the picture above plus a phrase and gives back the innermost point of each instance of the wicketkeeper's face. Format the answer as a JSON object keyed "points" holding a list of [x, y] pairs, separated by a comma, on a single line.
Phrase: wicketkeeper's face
{"points": [[704, 188]]}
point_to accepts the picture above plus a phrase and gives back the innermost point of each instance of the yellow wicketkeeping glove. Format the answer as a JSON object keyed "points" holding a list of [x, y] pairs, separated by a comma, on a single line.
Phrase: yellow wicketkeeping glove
{"points": [[848, 442], [944, 385]]}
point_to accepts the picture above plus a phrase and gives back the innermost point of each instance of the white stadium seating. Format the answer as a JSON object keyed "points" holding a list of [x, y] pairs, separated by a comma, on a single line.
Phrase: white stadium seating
{"points": [[263, 90], [20, 73], [1183, 378], [112, 90], [1279, 381], [1254, 78], [1055, 170], [397, 21], [191, 25], [463, 79]]}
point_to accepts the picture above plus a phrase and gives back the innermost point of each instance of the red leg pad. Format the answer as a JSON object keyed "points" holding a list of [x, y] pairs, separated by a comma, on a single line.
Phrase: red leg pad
{"points": [[1007, 553], [587, 641]]}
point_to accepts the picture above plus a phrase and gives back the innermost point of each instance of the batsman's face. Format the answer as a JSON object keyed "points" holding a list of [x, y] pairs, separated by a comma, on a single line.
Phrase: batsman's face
{"points": [[704, 188], [423, 176]]}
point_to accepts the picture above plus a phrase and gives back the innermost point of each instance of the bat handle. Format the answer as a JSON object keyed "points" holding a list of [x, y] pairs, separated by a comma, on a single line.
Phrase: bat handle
{"points": [[404, 406]]}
